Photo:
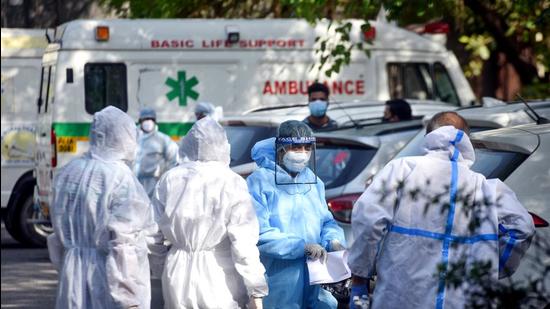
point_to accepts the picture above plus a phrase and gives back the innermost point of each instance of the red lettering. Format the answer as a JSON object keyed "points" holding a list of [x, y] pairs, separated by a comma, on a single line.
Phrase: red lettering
{"points": [[165, 44], [303, 87], [174, 44], [292, 87], [337, 87], [301, 43], [348, 87], [360, 86], [280, 87], [267, 88], [243, 43], [155, 44], [291, 43]]}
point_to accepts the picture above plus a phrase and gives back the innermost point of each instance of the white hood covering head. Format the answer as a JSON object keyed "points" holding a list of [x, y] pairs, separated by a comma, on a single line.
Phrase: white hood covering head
{"points": [[113, 135], [206, 141], [442, 140]]}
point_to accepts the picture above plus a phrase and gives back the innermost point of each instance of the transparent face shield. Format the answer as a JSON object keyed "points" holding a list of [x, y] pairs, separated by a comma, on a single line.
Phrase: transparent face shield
{"points": [[295, 160]]}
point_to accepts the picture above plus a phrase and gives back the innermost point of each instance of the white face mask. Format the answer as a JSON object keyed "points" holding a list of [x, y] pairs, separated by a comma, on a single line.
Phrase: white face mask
{"points": [[296, 161], [148, 125]]}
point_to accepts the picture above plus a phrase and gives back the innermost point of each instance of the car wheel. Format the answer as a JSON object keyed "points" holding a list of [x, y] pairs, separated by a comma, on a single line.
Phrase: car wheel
{"points": [[33, 234]]}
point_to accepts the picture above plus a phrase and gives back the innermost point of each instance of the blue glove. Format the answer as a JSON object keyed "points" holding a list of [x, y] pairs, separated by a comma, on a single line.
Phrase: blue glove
{"points": [[359, 291]]}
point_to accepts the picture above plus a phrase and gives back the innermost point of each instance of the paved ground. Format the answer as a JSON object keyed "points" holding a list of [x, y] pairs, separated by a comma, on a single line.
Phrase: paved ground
{"points": [[28, 278]]}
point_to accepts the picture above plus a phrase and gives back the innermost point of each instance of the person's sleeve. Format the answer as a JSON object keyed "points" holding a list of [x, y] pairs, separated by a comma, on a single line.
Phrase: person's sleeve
{"points": [[171, 153], [371, 217], [272, 242], [129, 222], [56, 251], [515, 227], [243, 231], [156, 241], [330, 230]]}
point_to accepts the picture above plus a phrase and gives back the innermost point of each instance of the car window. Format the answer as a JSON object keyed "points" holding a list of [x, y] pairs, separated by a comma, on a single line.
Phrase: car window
{"points": [[242, 139], [339, 164], [104, 85], [497, 164]]}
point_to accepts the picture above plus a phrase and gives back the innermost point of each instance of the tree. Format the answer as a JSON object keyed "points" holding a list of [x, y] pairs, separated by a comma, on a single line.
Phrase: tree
{"points": [[520, 30]]}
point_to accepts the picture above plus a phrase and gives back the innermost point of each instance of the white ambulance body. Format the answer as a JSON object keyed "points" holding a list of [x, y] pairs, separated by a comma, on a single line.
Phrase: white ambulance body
{"points": [[22, 51], [171, 65]]}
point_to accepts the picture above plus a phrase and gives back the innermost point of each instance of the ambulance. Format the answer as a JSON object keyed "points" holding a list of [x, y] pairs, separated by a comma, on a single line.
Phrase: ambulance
{"points": [[22, 51], [236, 64]]}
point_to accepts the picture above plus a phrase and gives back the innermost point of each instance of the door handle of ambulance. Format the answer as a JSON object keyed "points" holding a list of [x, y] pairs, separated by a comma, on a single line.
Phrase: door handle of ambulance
{"points": [[43, 134]]}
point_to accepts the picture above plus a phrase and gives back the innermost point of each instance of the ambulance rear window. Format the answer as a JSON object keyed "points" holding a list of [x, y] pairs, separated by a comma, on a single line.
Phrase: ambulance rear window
{"points": [[104, 85]]}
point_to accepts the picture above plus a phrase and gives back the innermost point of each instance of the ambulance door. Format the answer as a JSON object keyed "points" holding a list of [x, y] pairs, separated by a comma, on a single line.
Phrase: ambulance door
{"points": [[174, 90]]}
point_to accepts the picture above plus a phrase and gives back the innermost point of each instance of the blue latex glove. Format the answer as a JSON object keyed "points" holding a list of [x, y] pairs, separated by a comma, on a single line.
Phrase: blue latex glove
{"points": [[359, 291]]}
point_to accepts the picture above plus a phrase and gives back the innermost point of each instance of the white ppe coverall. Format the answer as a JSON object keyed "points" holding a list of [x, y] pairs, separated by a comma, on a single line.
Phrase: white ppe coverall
{"points": [[156, 154], [290, 217], [205, 212], [101, 215], [413, 225]]}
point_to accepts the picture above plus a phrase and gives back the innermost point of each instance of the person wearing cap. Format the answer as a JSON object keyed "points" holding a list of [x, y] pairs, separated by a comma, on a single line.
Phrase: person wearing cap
{"points": [[204, 109], [295, 222], [156, 152], [318, 104]]}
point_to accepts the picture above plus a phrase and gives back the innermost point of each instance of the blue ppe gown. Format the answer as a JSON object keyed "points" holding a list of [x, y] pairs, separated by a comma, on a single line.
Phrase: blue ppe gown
{"points": [[290, 216]]}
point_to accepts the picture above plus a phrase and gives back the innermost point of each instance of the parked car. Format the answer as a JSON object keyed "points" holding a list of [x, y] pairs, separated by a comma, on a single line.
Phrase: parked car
{"points": [[485, 118], [245, 130], [479, 118], [519, 156]]}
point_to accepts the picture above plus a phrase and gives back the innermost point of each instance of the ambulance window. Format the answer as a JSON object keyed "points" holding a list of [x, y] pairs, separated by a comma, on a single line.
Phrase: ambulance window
{"points": [[443, 84], [409, 81], [104, 85]]}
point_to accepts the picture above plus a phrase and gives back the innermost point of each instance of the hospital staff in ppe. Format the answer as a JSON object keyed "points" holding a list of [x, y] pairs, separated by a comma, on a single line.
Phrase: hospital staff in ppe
{"points": [[156, 152], [101, 216], [205, 212], [295, 222], [424, 215], [204, 109]]}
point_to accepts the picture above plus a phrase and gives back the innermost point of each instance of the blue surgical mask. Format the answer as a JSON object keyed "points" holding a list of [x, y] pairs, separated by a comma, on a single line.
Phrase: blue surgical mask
{"points": [[318, 108]]}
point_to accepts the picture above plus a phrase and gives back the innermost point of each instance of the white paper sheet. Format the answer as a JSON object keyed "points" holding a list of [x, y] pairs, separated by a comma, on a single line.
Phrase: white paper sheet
{"points": [[334, 270]]}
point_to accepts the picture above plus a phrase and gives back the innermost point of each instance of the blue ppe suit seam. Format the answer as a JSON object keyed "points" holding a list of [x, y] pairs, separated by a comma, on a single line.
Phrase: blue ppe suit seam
{"points": [[508, 250], [450, 218]]}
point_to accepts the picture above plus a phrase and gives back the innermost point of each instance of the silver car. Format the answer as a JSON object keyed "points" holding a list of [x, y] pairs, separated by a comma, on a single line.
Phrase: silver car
{"points": [[520, 157]]}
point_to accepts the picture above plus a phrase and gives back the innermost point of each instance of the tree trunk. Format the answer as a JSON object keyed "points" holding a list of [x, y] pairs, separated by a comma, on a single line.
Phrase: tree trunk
{"points": [[496, 25]]}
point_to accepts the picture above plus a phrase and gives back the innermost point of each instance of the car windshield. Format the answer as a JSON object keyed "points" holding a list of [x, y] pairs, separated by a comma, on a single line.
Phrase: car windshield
{"points": [[339, 164], [497, 164], [242, 139]]}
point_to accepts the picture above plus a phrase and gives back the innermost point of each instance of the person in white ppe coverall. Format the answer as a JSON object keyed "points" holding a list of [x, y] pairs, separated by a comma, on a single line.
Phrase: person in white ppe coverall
{"points": [[295, 222], [205, 212], [156, 152], [412, 240], [101, 216]]}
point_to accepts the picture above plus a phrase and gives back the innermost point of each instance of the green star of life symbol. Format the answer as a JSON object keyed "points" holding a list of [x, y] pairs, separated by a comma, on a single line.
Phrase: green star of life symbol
{"points": [[182, 88]]}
